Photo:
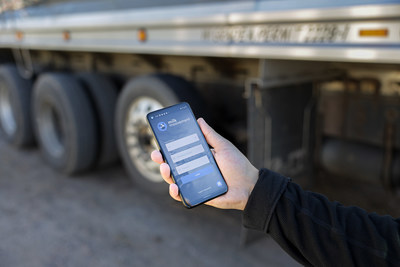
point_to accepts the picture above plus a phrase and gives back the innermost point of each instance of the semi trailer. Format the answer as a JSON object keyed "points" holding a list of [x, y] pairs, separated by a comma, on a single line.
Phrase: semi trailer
{"points": [[298, 86]]}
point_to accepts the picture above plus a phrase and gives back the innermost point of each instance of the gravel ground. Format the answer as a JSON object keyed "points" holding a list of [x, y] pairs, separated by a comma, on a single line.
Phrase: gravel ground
{"points": [[102, 219]]}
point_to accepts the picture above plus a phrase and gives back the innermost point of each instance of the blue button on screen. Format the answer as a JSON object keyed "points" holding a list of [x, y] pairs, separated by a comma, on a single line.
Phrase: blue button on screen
{"points": [[197, 174]]}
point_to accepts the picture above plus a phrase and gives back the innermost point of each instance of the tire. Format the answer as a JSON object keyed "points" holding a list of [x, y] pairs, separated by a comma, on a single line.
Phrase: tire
{"points": [[15, 105], [135, 142], [103, 94], [64, 123]]}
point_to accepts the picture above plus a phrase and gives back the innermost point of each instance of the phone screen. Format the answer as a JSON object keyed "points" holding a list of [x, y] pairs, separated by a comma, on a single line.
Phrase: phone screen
{"points": [[186, 151]]}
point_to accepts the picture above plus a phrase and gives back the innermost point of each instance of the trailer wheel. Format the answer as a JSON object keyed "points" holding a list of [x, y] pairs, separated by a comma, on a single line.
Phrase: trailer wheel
{"points": [[64, 122], [135, 141], [15, 96], [103, 94]]}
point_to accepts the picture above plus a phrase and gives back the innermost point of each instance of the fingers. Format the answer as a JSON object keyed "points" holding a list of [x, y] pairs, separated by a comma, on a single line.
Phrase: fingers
{"points": [[213, 151], [174, 192], [164, 167], [166, 173], [157, 157], [213, 138]]}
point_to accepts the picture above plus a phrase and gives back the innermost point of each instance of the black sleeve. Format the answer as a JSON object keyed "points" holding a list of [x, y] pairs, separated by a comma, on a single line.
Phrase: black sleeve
{"points": [[318, 232]]}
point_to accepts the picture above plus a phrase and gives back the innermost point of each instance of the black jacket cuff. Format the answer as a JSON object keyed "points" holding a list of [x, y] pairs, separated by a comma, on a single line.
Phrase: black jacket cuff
{"points": [[263, 199]]}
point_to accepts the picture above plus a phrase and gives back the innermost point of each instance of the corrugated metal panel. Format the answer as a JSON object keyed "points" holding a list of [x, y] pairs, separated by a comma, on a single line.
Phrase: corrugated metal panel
{"points": [[58, 7], [62, 7]]}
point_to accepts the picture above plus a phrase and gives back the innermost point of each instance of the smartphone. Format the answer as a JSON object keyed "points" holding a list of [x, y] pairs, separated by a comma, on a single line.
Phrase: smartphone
{"points": [[184, 148]]}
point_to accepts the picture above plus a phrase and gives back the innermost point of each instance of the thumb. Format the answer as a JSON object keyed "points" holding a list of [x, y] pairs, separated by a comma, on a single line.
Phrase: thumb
{"points": [[213, 138]]}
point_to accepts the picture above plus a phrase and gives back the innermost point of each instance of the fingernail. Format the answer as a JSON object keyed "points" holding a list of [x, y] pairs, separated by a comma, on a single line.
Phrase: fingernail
{"points": [[202, 121]]}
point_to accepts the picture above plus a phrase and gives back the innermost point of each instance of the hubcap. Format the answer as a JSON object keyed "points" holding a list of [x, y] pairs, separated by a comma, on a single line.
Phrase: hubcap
{"points": [[7, 117], [139, 139], [50, 130]]}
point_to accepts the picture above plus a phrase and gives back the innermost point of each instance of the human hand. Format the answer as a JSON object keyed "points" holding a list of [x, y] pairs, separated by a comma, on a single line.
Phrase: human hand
{"points": [[239, 174]]}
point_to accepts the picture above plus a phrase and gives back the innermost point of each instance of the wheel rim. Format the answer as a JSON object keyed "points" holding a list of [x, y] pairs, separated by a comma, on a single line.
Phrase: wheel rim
{"points": [[7, 117], [139, 139], [50, 130]]}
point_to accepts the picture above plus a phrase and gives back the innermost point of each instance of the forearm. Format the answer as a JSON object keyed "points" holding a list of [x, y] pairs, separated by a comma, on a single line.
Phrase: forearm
{"points": [[318, 232]]}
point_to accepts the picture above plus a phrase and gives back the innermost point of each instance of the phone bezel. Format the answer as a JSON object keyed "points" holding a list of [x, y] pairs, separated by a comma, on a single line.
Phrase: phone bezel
{"points": [[173, 107]]}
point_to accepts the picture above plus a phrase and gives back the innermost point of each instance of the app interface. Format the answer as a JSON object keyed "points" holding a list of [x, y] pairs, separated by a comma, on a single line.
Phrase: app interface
{"points": [[187, 153]]}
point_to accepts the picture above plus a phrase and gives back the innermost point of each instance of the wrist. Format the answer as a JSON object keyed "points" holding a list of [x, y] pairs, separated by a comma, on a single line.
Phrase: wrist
{"points": [[253, 177]]}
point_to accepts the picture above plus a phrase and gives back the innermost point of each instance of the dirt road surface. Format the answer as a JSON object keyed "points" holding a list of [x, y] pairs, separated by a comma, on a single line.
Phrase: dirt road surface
{"points": [[102, 219]]}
